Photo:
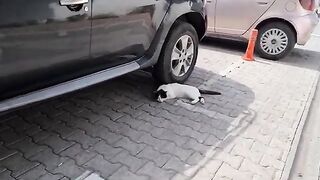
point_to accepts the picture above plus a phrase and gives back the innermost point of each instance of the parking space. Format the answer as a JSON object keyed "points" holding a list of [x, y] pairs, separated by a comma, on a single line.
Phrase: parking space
{"points": [[115, 130]]}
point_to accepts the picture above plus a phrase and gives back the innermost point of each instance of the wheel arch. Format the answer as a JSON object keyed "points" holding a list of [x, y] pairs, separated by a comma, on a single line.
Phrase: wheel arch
{"points": [[275, 19], [196, 20]]}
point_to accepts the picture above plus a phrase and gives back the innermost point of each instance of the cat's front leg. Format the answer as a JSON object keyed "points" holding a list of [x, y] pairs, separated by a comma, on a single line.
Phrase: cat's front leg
{"points": [[195, 101]]}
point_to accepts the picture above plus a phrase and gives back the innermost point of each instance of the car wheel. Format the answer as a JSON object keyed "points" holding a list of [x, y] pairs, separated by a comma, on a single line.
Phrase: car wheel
{"points": [[275, 41], [179, 54]]}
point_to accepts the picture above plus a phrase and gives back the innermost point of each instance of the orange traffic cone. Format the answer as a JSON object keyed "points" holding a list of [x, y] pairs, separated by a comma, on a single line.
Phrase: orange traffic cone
{"points": [[251, 45]]}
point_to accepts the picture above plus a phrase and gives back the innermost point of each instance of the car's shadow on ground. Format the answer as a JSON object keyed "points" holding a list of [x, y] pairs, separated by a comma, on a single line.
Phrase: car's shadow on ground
{"points": [[121, 114]]}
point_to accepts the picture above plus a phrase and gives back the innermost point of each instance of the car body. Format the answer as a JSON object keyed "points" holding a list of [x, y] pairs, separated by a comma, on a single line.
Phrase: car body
{"points": [[236, 19], [52, 47]]}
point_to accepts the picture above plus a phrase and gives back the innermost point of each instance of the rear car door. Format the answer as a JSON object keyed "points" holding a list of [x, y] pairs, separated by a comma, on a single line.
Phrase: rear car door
{"points": [[122, 31], [42, 42], [235, 17]]}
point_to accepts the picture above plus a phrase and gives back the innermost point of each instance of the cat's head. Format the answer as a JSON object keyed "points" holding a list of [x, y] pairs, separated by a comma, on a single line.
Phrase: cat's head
{"points": [[161, 95]]}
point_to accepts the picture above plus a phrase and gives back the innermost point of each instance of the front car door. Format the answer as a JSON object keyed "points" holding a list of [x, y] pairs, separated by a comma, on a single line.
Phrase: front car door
{"points": [[122, 31], [42, 42], [235, 17]]}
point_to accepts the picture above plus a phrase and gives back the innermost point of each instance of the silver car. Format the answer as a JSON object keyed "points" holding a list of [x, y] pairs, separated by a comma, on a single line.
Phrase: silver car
{"points": [[281, 23]]}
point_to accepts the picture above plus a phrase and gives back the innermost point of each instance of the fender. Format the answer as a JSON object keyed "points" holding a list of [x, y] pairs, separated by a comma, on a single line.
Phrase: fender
{"points": [[176, 9]]}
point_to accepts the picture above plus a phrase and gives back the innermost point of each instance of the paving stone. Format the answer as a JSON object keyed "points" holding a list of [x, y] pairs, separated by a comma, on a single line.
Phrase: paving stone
{"points": [[62, 130], [27, 147], [105, 134], [263, 172], [18, 165], [171, 136], [84, 156], [49, 176], [174, 150], [154, 172], [9, 137], [106, 150], [83, 139], [274, 152], [132, 162], [104, 167], [204, 174], [124, 174], [56, 143], [231, 160], [158, 158], [194, 145], [246, 153], [34, 173], [226, 171], [195, 158], [69, 169], [18, 124], [6, 175], [48, 159], [72, 150], [269, 161], [211, 140], [132, 147], [39, 136], [5, 152], [179, 176], [176, 165]]}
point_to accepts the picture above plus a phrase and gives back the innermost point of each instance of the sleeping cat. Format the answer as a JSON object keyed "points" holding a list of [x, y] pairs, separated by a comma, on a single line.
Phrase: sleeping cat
{"points": [[175, 90]]}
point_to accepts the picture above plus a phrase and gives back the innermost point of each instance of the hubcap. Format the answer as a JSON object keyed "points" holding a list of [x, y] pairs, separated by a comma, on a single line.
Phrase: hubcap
{"points": [[182, 56], [274, 41]]}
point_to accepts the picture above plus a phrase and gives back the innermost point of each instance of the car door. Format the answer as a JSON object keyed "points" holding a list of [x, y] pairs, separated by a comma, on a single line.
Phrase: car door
{"points": [[235, 17], [122, 31], [42, 42]]}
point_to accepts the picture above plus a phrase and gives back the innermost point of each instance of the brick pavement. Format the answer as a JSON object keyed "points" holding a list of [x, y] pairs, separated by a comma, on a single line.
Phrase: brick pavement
{"points": [[116, 131]]}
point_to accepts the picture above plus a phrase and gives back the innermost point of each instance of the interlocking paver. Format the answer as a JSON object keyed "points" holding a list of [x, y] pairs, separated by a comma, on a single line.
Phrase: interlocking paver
{"points": [[18, 164], [104, 167], [49, 159], [83, 139], [27, 147], [56, 143], [118, 132], [158, 158], [6, 175], [69, 169], [123, 174], [50, 176], [5, 152], [8, 136], [34, 173], [154, 172], [171, 148], [130, 161]]}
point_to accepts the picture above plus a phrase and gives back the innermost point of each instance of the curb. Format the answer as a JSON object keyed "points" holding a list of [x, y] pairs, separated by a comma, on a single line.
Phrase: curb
{"points": [[295, 143]]}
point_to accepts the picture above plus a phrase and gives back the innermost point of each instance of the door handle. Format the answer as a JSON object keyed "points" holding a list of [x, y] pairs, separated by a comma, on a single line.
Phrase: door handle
{"points": [[262, 2], [73, 2]]}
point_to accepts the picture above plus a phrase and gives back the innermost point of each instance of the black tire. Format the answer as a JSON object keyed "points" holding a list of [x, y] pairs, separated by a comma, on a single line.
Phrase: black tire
{"points": [[289, 32], [162, 70]]}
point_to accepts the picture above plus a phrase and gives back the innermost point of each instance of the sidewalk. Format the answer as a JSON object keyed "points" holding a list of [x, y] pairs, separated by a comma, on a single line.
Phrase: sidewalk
{"points": [[115, 131]]}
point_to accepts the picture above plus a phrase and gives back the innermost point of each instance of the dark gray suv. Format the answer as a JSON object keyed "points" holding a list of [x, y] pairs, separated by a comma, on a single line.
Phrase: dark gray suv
{"points": [[52, 47]]}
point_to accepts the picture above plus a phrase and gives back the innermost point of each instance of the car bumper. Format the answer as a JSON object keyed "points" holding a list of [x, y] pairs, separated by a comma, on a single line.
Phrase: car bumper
{"points": [[304, 26]]}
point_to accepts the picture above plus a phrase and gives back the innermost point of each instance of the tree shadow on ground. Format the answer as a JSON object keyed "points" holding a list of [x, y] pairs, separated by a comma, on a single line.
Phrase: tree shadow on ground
{"points": [[180, 138]]}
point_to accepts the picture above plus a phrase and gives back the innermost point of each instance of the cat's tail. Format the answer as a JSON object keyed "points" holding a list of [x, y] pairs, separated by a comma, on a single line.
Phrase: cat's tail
{"points": [[209, 92]]}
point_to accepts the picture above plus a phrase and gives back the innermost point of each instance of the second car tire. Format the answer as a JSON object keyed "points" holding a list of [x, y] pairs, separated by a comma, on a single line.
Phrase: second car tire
{"points": [[275, 40], [178, 55]]}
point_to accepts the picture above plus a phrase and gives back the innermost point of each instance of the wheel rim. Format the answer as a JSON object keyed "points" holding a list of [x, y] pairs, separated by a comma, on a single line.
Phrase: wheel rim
{"points": [[274, 41], [182, 55]]}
